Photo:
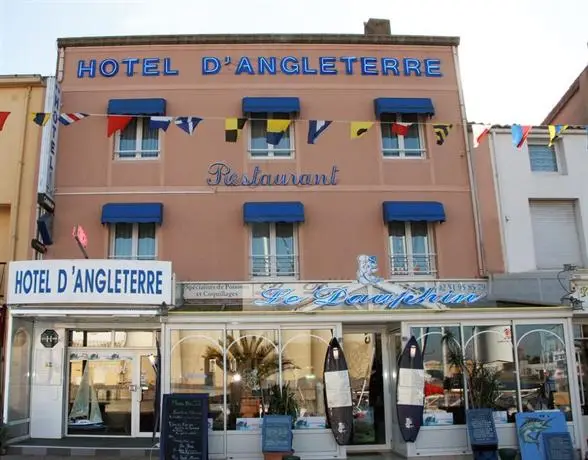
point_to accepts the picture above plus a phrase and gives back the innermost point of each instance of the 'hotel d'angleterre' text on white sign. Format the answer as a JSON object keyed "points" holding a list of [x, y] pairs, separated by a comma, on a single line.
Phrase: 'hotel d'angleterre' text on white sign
{"points": [[88, 281]]}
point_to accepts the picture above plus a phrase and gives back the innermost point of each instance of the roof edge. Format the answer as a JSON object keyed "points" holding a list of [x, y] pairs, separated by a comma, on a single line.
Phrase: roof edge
{"points": [[222, 39], [573, 89], [22, 80]]}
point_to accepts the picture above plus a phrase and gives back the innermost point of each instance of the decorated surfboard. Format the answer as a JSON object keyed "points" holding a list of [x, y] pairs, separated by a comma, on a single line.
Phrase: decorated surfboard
{"points": [[410, 388], [337, 387]]}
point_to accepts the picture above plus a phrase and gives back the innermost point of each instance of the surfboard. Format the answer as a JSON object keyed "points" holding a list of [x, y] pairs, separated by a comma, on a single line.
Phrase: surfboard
{"points": [[337, 388], [410, 388]]}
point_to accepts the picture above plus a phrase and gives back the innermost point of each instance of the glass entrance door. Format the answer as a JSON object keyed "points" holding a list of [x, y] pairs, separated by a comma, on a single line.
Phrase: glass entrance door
{"points": [[101, 394], [145, 394], [367, 358]]}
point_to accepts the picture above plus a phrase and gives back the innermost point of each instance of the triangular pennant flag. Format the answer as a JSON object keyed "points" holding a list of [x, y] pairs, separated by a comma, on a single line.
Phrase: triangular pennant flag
{"points": [[480, 131], [70, 118], [233, 128], [40, 118], [441, 132], [359, 128], [519, 135], [555, 131], [160, 122], [275, 130], [187, 124], [316, 128], [3, 118], [400, 129], [117, 123]]}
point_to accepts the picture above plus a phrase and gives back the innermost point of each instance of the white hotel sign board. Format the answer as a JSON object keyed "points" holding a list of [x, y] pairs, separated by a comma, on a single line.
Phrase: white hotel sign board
{"points": [[89, 281]]}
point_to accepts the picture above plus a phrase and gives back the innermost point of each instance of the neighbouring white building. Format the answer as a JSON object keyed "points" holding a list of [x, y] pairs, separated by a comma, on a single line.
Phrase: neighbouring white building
{"points": [[542, 200]]}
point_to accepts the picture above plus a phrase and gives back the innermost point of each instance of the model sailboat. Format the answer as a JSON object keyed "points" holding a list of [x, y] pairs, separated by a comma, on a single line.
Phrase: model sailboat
{"points": [[85, 412]]}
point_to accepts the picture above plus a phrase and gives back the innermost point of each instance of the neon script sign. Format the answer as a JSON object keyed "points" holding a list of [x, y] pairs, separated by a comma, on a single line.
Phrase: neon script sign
{"points": [[265, 65], [340, 296], [222, 174]]}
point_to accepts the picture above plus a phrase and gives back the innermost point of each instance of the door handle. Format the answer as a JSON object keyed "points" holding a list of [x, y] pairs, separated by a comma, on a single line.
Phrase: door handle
{"points": [[132, 387]]}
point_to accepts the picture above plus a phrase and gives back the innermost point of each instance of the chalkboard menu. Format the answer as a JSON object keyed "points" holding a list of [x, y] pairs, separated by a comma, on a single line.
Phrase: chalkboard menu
{"points": [[481, 428], [184, 427], [276, 433], [558, 446]]}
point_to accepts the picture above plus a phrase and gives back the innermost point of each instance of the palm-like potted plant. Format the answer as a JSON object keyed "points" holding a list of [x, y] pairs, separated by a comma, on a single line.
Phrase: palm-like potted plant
{"points": [[254, 359]]}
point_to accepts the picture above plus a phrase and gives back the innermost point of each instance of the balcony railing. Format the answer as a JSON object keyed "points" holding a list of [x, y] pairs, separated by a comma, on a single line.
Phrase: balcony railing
{"points": [[413, 265], [274, 266]]}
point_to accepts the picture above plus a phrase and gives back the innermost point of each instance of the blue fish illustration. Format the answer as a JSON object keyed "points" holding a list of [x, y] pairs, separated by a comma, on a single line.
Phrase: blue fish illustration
{"points": [[531, 430]]}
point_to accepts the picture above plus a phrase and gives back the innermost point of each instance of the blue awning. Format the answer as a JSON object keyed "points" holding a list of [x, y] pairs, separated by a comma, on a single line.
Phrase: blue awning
{"points": [[146, 107], [403, 105], [45, 228], [271, 104], [411, 211], [131, 213], [287, 211]]}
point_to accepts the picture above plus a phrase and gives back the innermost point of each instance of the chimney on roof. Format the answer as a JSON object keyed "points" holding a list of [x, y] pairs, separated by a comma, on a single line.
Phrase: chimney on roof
{"points": [[377, 27]]}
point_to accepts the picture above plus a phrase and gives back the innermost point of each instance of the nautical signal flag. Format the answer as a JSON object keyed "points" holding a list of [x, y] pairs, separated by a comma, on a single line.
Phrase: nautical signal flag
{"points": [[188, 124], [275, 130], [3, 118], [359, 128], [67, 119], [160, 122], [316, 128], [233, 128], [40, 118], [519, 135], [479, 132], [117, 123], [400, 129], [555, 131], [441, 132]]}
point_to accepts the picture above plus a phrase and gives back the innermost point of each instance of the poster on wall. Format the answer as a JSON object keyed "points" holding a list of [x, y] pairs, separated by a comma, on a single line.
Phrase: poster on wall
{"points": [[531, 426], [48, 366]]}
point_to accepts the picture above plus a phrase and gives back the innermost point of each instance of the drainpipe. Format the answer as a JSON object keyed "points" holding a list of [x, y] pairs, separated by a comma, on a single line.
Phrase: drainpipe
{"points": [[473, 186], [16, 202]]}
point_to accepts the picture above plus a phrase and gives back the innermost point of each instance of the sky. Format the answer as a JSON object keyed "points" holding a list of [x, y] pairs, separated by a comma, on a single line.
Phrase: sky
{"points": [[517, 57]]}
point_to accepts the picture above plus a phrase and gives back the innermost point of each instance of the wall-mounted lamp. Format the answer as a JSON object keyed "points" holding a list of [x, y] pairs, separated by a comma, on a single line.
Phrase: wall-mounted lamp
{"points": [[151, 359], [336, 353], [412, 352], [237, 378]]}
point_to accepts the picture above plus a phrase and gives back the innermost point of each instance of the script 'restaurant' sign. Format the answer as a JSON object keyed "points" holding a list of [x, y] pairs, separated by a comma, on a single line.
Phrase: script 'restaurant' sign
{"points": [[86, 281], [155, 66], [222, 174]]}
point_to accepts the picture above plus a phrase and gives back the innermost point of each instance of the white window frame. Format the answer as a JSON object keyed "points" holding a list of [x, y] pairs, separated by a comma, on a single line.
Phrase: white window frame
{"points": [[272, 254], [409, 254], [544, 142], [401, 150], [270, 148], [135, 242], [140, 121]]}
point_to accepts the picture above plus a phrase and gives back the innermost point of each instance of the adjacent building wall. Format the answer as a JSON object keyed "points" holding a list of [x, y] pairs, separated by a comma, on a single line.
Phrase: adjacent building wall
{"points": [[572, 108], [19, 148]]}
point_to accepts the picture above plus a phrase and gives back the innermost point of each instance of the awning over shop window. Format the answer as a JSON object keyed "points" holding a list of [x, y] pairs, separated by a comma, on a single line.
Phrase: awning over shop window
{"points": [[145, 107], [132, 213], [290, 211], [411, 211], [387, 105], [271, 105]]}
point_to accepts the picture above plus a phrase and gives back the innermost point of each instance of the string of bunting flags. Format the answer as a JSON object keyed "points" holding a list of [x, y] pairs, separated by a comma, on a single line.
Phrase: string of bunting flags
{"points": [[275, 129]]}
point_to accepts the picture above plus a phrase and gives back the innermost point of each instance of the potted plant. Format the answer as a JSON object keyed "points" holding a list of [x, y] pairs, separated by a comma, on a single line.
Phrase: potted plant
{"points": [[251, 361]]}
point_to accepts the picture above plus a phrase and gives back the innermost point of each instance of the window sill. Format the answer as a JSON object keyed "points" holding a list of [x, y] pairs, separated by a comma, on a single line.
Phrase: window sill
{"points": [[422, 157], [413, 277], [270, 157], [136, 158], [274, 278]]}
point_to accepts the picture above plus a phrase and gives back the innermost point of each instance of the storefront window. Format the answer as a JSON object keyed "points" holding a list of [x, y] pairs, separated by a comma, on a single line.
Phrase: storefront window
{"points": [[303, 357], [543, 371], [20, 363], [489, 349], [197, 367], [444, 392], [581, 351]]}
